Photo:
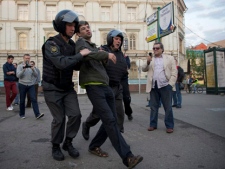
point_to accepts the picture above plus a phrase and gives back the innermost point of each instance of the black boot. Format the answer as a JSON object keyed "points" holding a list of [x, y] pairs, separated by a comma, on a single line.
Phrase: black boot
{"points": [[57, 153], [67, 146], [85, 131]]}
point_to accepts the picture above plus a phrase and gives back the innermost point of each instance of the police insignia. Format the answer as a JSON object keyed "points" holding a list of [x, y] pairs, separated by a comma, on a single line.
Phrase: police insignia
{"points": [[54, 49]]}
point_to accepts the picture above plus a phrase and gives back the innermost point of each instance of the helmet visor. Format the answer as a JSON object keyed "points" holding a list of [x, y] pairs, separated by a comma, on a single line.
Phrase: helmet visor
{"points": [[70, 17], [115, 33]]}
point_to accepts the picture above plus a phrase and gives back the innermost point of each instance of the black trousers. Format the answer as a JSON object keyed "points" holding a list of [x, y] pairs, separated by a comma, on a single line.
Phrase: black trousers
{"points": [[103, 101], [93, 118], [126, 97]]}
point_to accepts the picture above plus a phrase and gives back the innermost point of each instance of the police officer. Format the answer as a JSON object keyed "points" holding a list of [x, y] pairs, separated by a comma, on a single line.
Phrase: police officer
{"points": [[59, 61], [116, 73]]}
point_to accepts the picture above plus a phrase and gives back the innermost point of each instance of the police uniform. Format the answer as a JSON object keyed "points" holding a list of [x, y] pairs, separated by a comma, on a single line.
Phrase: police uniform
{"points": [[59, 61]]}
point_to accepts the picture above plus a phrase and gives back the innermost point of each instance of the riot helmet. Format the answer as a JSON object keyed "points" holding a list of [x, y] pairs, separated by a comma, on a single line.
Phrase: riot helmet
{"points": [[63, 17], [114, 33]]}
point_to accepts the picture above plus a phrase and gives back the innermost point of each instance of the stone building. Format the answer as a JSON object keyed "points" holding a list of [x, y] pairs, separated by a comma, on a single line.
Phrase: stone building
{"points": [[26, 24]]}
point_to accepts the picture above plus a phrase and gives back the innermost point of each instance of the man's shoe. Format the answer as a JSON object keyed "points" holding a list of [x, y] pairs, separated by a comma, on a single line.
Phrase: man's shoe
{"points": [[22, 117], [40, 116], [148, 105], [174, 105], [178, 106], [152, 128], [130, 117], [57, 153], [169, 130], [133, 161], [85, 131], [67, 146]]}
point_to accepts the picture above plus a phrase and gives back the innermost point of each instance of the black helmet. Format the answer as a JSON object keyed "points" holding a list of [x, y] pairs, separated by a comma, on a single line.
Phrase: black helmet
{"points": [[114, 33], [63, 17]]}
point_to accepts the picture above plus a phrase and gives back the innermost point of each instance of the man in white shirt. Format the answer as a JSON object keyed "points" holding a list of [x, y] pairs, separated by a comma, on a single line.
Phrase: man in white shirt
{"points": [[162, 76]]}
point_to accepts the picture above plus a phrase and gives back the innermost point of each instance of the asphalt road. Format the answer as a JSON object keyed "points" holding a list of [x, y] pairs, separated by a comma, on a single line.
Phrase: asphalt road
{"points": [[198, 141]]}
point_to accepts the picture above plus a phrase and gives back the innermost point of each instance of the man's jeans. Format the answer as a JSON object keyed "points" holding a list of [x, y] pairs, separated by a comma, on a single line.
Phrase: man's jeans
{"points": [[177, 98], [165, 93], [103, 101], [23, 91]]}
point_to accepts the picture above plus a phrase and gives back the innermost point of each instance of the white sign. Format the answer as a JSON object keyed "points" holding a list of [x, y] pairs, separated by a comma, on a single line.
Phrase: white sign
{"points": [[166, 20], [151, 18]]}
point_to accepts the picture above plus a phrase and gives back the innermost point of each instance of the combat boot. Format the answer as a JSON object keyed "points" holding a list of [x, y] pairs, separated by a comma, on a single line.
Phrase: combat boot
{"points": [[85, 131], [68, 146], [57, 153]]}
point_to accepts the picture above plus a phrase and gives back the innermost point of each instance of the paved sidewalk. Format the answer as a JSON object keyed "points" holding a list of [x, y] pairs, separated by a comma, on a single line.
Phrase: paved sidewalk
{"points": [[198, 140]]}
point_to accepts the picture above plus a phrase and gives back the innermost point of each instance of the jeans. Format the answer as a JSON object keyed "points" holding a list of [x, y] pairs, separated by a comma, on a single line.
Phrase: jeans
{"points": [[165, 94], [23, 91], [177, 98], [103, 101], [93, 118]]}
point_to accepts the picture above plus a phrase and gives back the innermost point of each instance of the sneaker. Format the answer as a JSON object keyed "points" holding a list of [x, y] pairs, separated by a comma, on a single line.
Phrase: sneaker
{"points": [[11, 106], [22, 117], [9, 109], [133, 161], [16, 104], [40, 116]]}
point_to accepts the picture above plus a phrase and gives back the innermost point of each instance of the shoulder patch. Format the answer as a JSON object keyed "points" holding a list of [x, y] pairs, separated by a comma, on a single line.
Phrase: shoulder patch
{"points": [[54, 49]]}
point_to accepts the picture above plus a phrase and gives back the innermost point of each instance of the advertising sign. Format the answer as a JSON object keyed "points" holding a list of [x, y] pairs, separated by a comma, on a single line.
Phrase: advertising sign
{"points": [[210, 73], [220, 68], [152, 32], [166, 20]]}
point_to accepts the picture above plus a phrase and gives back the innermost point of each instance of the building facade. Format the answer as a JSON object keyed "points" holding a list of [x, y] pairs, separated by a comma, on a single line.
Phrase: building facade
{"points": [[26, 24]]}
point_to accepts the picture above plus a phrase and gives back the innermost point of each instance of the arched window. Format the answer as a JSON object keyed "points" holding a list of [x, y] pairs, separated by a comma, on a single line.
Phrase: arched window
{"points": [[22, 41], [132, 42]]}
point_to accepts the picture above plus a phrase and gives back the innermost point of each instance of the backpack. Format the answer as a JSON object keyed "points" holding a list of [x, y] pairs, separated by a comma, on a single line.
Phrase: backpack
{"points": [[180, 74]]}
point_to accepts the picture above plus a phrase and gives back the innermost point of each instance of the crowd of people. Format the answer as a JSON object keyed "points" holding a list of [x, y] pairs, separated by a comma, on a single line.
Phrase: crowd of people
{"points": [[103, 72]]}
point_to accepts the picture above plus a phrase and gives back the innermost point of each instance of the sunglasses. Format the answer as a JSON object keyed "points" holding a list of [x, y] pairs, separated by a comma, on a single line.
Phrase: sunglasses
{"points": [[157, 48]]}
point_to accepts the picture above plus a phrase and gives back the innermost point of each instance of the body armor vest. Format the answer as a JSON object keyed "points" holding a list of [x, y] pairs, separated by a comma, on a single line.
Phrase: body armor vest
{"points": [[60, 78]]}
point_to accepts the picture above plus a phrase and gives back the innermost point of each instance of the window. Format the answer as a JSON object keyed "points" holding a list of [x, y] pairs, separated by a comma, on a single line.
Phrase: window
{"points": [[104, 39], [79, 9], [50, 12], [22, 12], [132, 42], [105, 13], [22, 41], [180, 45], [131, 14]]}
